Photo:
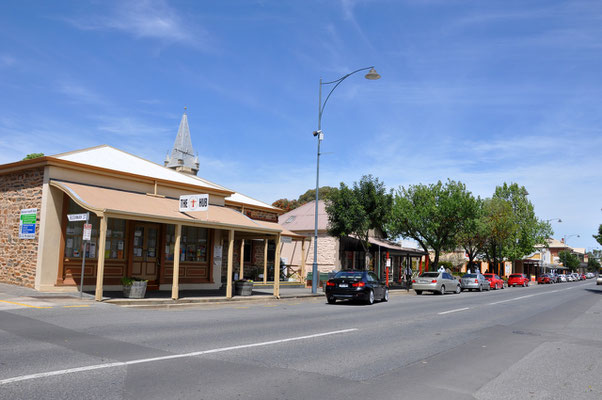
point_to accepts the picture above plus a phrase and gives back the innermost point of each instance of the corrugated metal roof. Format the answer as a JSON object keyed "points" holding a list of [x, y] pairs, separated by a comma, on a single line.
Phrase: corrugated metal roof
{"points": [[108, 157], [303, 218]]}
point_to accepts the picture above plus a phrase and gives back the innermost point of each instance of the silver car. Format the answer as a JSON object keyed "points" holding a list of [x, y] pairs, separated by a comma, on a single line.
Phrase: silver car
{"points": [[436, 282], [474, 282]]}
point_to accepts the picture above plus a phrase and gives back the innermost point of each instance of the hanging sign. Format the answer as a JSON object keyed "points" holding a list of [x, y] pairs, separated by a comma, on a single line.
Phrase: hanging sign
{"points": [[194, 202], [78, 217], [27, 223]]}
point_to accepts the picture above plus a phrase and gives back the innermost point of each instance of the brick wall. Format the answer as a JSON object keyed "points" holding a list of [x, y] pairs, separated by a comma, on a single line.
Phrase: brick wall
{"points": [[18, 257]]}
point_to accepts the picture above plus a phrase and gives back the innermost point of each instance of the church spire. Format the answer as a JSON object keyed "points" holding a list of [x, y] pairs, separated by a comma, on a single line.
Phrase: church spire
{"points": [[182, 156]]}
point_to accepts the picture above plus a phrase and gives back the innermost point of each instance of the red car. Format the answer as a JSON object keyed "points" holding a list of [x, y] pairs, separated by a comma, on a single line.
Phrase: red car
{"points": [[518, 280], [545, 278], [495, 281]]}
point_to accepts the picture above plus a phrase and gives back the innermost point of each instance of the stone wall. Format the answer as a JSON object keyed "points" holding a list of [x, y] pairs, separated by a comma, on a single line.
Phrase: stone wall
{"points": [[18, 257], [328, 253]]}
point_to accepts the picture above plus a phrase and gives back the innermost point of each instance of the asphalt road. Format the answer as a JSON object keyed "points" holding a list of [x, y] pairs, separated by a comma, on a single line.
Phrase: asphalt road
{"points": [[541, 342]]}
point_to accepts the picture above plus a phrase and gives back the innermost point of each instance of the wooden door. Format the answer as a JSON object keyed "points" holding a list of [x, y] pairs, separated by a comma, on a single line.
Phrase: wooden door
{"points": [[145, 249]]}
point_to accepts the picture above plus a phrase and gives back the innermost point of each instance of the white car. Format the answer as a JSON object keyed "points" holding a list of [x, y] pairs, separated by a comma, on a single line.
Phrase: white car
{"points": [[599, 280], [562, 278]]}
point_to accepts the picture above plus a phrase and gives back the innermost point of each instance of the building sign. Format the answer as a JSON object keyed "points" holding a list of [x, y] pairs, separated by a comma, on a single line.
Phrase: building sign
{"points": [[194, 202], [87, 232], [286, 239], [27, 223]]}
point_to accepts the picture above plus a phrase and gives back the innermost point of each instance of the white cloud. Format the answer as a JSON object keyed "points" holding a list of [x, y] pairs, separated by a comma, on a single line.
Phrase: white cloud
{"points": [[147, 19]]}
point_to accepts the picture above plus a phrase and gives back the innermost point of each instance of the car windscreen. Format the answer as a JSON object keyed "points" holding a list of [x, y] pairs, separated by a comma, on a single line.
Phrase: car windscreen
{"points": [[429, 275], [515, 276], [470, 276], [349, 275]]}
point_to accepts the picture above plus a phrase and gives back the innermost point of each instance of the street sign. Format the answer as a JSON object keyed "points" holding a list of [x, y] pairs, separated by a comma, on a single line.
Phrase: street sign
{"points": [[78, 217], [87, 232], [194, 202], [27, 223]]}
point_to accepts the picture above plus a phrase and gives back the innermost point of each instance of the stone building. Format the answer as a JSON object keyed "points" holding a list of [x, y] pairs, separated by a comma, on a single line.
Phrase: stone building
{"points": [[137, 228]]}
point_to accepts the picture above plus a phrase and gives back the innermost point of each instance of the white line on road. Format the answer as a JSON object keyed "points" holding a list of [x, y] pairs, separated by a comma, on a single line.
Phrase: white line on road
{"points": [[535, 294], [171, 357], [456, 310]]}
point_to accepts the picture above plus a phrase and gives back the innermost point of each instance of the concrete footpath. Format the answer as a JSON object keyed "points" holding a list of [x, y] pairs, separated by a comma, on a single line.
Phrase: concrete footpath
{"points": [[12, 296]]}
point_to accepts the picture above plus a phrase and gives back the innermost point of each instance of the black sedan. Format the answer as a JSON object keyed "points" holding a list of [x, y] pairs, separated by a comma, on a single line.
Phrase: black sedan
{"points": [[356, 285]]}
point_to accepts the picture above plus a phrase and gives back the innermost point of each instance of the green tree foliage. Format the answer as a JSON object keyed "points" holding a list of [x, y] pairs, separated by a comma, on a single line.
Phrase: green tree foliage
{"points": [[357, 210], [500, 226], [310, 195], [473, 234], [569, 260], [593, 265], [432, 215], [529, 230], [33, 155], [598, 237]]}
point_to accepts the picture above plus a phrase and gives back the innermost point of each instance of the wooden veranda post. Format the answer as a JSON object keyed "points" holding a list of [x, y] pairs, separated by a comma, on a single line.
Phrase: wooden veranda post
{"points": [[242, 259], [265, 260], [303, 260], [277, 268], [175, 287], [230, 258], [100, 268]]}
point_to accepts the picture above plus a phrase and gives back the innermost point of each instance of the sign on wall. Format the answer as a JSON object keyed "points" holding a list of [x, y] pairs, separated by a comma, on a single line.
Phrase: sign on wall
{"points": [[27, 223], [194, 202]]}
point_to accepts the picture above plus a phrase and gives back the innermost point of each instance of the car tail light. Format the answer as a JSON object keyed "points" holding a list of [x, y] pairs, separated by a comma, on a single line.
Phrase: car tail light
{"points": [[329, 283], [476, 281], [413, 280], [434, 281], [359, 284]]}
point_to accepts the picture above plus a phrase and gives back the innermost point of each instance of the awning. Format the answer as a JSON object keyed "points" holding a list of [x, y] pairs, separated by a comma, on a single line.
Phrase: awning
{"points": [[285, 232], [392, 246], [116, 203]]}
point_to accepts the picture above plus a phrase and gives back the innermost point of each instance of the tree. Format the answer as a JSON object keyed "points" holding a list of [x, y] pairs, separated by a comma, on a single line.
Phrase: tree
{"points": [[357, 210], [310, 195], [286, 204], [592, 264], [473, 234], [432, 215], [499, 227], [598, 237], [569, 260], [33, 155], [529, 231]]}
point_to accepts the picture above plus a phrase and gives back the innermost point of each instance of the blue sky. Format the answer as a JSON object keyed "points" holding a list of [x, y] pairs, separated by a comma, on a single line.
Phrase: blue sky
{"points": [[484, 92]]}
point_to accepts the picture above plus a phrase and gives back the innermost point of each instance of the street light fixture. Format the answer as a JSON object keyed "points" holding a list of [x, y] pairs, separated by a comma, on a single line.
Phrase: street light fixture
{"points": [[371, 75], [568, 236]]}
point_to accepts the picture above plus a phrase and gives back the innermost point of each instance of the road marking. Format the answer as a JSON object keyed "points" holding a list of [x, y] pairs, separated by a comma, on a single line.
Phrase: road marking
{"points": [[456, 310], [171, 357], [535, 294], [21, 304]]}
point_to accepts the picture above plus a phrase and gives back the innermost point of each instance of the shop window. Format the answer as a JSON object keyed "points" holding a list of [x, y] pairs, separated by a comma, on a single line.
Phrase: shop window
{"points": [[115, 243], [193, 243]]}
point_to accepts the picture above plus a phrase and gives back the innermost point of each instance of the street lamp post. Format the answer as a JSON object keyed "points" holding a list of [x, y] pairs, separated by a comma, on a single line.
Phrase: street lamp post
{"points": [[371, 75]]}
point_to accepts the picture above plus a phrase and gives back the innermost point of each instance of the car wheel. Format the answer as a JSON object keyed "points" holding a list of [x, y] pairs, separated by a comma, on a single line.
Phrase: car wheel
{"points": [[370, 297], [418, 292], [480, 288], [458, 290], [442, 291], [386, 295], [331, 300], [524, 284]]}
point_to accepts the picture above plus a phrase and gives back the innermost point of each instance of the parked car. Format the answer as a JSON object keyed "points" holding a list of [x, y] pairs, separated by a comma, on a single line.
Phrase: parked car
{"points": [[474, 282], [436, 282], [590, 275], [554, 277], [599, 279], [562, 278], [518, 280], [583, 277], [495, 281], [545, 278], [570, 278], [356, 285]]}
